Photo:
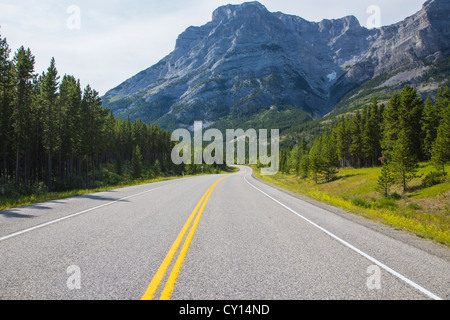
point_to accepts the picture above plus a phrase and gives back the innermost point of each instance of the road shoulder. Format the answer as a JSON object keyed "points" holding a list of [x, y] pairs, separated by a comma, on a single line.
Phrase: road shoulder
{"points": [[428, 246]]}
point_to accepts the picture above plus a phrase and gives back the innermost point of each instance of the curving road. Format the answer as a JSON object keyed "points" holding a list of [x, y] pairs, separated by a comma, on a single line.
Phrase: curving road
{"points": [[218, 237]]}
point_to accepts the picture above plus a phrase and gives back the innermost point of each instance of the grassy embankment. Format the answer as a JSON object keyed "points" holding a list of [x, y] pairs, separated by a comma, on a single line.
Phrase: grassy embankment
{"points": [[23, 200], [423, 211]]}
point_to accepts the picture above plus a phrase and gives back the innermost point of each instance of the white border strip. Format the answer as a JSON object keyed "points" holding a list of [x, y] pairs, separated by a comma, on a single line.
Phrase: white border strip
{"points": [[348, 245], [75, 214]]}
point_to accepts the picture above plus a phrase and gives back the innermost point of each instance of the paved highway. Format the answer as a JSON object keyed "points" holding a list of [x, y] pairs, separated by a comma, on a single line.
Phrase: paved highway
{"points": [[209, 238]]}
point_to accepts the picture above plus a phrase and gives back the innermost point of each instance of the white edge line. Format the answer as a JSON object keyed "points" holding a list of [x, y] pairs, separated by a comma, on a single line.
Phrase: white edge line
{"points": [[74, 215], [348, 245]]}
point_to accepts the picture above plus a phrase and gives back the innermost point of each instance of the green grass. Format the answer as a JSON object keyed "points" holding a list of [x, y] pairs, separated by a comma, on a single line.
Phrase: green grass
{"points": [[424, 212]]}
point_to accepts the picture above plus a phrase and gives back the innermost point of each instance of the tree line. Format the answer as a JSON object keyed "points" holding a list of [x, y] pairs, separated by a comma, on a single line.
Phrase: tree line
{"points": [[56, 134], [397, 136]]}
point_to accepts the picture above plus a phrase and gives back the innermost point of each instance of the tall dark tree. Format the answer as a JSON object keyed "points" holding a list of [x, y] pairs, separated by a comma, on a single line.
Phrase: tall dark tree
{"points": [[136, 163], [356, 145], [329, 156], [403, 160], [410, 114], [343, 141], [385, 180], [440, 153], [6, 101], [70, 96], [48, 100], [21, 115], [93, 120], [429, 123], [390, 125]]}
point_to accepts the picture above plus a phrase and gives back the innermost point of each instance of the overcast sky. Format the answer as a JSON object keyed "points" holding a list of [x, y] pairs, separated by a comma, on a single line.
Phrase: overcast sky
{"points": [[105, 42]]}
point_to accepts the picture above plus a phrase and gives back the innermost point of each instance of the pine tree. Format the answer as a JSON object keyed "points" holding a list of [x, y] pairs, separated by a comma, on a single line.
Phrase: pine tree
{"points": [[315, 159], [371, 134], [329, 157], [304, 166], [93, 121], [385, 180], [429, 123], [294, 158], [21, 115], [390, 125], [410, 114], [136, 163], [356, 145], [440, 154], [343, 141], [403, 160], [441, 101], [157, 168], [6, 101], [49, 101], [69, 121]]}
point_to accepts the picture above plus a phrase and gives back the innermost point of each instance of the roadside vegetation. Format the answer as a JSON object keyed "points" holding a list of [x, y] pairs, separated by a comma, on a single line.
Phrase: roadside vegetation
{"points": [[108, 179], [387, 162], [57, 140], [423, 210]]}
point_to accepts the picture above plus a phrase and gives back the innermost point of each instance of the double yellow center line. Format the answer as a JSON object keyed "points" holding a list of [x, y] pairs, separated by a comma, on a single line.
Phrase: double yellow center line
{"points": [[167, 292]]}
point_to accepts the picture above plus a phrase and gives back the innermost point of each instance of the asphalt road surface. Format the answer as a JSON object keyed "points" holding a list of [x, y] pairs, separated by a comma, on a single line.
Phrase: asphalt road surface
{"points": [[217, 237]]}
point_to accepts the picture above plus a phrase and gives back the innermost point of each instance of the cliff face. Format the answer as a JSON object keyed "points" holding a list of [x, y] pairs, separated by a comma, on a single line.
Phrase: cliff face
{"points": [[248, 57]]}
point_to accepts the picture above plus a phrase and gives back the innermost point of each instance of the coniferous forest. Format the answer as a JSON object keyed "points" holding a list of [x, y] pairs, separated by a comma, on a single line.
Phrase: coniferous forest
{"points": [[56, 136], [397, 136]]}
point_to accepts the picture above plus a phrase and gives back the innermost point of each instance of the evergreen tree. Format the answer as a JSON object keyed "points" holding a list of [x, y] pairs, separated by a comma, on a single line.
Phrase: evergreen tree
{"points": [[429, 123], [385, 180], [48, 100], [371, 135], [69, 122], [6, 101], [441, 101], [410, 114], [304, 166], [315, 159], [440, 154], [390, 125], [157, 168], [136, 163], [356, 145], [403, 160], [329, 157], [343, 141], [21, 114], [294, 159], [93, 121]]}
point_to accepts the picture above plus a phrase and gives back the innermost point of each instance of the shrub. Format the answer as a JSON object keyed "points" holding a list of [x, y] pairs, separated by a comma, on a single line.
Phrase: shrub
{"points": [[432, 179], [395, 196], [414, 206], [10, 190], [386, 202], [361, 203]]}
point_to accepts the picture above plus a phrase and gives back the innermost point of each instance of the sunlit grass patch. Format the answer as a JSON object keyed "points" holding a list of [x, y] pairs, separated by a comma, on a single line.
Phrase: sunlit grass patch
{"points": [[423, 211]]}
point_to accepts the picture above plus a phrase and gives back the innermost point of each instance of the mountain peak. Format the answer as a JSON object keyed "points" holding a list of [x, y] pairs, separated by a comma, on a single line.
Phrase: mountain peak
{"points": [[246, 8], [248, 59]]}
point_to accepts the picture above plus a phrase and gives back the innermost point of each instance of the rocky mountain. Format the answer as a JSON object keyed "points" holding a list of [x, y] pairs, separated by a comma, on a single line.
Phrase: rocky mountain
{"points": [[248, 60]]}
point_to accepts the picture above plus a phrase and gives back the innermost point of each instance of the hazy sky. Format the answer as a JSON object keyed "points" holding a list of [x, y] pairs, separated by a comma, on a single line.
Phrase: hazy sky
{"points": [[104, 42]]}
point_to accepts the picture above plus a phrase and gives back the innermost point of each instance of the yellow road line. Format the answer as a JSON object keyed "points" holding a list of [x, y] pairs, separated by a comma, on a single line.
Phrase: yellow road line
{"points": [[150, 292], [176, 269]]}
